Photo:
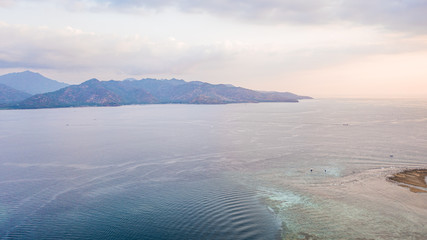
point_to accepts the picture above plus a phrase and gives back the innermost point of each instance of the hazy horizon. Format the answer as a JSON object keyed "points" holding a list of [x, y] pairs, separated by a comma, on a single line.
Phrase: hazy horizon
{"points": [[322, 49], [336, 96]]}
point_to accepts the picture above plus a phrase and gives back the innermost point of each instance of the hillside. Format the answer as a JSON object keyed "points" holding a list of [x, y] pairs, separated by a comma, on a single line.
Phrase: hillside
{"points": [[150, 91], [10, 95], [31, 82]]}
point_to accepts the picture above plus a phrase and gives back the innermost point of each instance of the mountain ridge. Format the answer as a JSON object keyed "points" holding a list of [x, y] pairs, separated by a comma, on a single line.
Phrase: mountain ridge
{"points": [[151, 91], [31, 82], [11, 95], [148, 91]]}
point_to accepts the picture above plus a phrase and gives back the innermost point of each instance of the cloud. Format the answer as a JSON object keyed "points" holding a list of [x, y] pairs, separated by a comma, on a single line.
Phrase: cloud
{"points": [[408, 15], [405, 16], [74, 52], [398, 15], [73, 49], [6, 3]]}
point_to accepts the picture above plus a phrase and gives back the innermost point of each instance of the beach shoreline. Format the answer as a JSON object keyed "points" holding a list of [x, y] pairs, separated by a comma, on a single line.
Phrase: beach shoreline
{"points": [[344, 200], [414, 179]]}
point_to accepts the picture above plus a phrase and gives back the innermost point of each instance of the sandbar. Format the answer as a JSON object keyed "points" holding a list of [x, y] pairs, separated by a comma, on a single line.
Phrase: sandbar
{"points": [[414, 179]]}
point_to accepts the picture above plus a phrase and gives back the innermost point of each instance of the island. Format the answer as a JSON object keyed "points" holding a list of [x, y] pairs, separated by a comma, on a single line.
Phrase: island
{"points": [[131, 91]]}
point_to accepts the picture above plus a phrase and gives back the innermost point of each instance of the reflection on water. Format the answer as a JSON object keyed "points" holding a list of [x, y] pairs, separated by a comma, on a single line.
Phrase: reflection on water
{"points": [[213, 171]]}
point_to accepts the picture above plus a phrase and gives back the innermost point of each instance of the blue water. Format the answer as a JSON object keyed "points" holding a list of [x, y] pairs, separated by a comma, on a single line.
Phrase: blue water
{"points": [[208, 209], [238, 171]]}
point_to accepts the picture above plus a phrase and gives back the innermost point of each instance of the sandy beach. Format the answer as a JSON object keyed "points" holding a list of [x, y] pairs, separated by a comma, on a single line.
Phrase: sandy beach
{"points": [[414, 179], [362, 200]]}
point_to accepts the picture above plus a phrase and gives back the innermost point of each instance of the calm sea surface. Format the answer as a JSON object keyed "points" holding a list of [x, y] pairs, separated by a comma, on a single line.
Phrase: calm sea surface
{"points": [[309, 170]]}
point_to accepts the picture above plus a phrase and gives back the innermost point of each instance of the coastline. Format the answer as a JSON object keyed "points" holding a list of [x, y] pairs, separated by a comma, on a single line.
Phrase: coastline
{"points": [[369, 196], [414, 179]]}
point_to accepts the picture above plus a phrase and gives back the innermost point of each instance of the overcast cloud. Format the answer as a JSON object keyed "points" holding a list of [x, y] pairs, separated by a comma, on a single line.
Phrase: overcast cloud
{"points": [[69, 49], [262, 44], [408, 15]]}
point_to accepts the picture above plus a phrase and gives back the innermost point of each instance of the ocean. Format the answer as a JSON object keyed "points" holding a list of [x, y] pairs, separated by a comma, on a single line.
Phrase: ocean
{"points": [[310, 170]]}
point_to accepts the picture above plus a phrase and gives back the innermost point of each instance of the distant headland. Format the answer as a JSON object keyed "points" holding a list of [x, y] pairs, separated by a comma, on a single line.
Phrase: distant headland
{"points": [[29, 90]]}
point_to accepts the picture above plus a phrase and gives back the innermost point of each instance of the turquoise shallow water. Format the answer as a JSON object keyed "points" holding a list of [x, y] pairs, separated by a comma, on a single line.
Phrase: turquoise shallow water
{"points": [[238, 171]]}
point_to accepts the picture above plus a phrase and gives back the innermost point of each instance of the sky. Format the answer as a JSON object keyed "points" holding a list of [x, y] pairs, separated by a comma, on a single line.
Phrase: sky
{"points": [[320, 48]]}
